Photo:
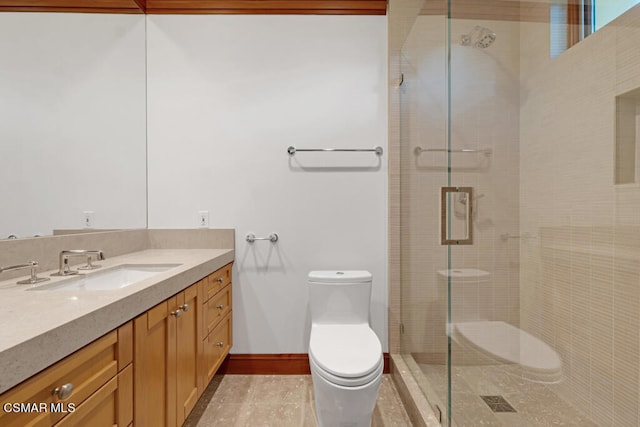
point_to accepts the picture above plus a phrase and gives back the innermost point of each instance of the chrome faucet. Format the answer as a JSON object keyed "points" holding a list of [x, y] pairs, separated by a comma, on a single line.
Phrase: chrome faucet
{"points": [[65, 270], [33, 265]]}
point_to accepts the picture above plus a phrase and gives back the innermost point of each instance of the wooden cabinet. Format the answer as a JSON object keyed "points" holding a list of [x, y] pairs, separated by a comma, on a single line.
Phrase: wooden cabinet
{"points": [[149, 372], [188, 349], [179, 345], [93, 386], [217, 337], [216, 347], [153, 357], [166, 358]]}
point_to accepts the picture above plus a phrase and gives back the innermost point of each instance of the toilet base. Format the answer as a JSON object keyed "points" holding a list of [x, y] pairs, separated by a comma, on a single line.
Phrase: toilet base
{"points": [[339, 406]]}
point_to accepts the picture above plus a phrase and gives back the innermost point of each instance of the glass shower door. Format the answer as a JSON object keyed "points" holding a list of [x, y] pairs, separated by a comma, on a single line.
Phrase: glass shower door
{"points": [[536, 322], [482, 102]]}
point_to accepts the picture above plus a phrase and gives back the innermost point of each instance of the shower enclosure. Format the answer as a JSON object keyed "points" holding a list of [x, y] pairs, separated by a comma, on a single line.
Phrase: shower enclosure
{"points": [[515, 209]]}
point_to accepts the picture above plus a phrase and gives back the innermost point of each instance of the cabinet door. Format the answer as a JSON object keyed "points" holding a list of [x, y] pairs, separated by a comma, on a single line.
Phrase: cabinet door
{"points": [[155, 366], [187, 343]]}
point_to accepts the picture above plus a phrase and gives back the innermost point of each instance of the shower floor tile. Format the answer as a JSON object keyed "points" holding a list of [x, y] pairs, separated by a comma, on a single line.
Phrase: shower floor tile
{"points": [[535, 404], [279, 401]]}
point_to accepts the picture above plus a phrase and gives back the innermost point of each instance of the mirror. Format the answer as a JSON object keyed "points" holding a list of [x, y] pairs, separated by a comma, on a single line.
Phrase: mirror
{"points": [[72, 122]]}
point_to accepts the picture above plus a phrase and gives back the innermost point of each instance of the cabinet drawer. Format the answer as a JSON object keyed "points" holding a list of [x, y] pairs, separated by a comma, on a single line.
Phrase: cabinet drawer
{"points": [[86, 370], [216, 281], [104, 408], [217, 346], [216, 308]]}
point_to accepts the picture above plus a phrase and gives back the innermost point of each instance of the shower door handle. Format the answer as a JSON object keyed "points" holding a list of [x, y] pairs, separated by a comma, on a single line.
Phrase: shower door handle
{"points": [[456, 219]]}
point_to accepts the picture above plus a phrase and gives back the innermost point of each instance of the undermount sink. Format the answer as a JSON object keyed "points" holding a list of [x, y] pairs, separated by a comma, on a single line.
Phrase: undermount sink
{"points": [[110, 279]]}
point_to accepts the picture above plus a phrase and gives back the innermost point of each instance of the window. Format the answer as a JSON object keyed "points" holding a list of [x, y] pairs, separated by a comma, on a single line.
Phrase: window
{"points": [[573, 20]]}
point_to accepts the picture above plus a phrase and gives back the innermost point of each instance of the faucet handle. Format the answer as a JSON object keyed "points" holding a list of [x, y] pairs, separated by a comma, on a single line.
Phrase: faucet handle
{"points": [[89, 265], [64, 267], [33, 265]]}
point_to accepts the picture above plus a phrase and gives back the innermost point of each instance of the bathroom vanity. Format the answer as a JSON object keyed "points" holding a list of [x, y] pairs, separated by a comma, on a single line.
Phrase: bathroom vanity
{"points": [[84, 356]]}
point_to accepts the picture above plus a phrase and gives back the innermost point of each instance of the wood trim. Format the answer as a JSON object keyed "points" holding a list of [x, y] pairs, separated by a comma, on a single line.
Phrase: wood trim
{"points": [[299, 7], [125, 345], [273, 364], [82, 6], [302, 7], [573, 24], [70, 9]]}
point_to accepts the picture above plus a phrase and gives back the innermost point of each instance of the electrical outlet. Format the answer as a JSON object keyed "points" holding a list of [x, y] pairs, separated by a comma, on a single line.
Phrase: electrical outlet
{"points": [[89, 219], [203, 219]]}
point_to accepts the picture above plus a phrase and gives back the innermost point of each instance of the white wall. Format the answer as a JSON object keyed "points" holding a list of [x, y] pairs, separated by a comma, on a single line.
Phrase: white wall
{"points": [[226, 96], [72, 121]]}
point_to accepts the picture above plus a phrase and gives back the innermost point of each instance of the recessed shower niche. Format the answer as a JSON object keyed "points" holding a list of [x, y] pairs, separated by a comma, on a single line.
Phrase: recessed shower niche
{"points": [[627, 138]]}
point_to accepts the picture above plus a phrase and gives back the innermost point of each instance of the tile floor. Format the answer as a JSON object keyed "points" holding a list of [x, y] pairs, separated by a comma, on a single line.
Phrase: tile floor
{"points": [[279, 401], [536, 404]]}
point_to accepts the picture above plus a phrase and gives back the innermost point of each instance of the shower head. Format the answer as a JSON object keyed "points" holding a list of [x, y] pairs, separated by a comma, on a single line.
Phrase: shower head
{"points": [[481, 37]]}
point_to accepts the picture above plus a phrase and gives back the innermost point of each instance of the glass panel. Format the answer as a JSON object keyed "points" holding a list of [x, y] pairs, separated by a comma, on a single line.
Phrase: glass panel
{"points": [[541, 314], [422, 125]]}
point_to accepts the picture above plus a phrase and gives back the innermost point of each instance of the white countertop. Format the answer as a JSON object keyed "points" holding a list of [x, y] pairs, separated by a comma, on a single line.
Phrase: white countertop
{"points": [[41, 327]]}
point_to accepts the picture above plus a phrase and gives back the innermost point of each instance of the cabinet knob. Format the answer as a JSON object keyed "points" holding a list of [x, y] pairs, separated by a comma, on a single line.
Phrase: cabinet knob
{"points": [[177, 313], [220, 307], [184, 307], [219, 280], [220, 344], [63, 392]]}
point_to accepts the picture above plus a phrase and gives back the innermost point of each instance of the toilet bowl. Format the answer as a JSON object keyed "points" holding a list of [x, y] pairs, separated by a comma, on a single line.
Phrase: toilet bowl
{"points": [[495, 340], [345, 354], [504, 343]]}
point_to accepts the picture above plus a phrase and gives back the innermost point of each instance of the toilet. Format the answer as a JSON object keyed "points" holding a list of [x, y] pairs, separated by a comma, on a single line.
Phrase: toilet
{"points": [[496, 340], [345, 354]]}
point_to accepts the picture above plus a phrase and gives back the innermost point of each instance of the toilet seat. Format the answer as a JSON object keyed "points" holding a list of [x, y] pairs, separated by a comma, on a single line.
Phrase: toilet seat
{"points": [[346, 381], [348, 355]]}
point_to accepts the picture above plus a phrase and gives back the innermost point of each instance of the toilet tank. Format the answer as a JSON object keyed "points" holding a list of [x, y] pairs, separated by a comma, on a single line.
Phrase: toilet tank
{"points": [[468, 291], [339, 297]]}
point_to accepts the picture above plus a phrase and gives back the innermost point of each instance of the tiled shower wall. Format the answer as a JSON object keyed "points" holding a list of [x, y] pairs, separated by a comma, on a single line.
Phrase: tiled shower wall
{"points": [[580, 275]]}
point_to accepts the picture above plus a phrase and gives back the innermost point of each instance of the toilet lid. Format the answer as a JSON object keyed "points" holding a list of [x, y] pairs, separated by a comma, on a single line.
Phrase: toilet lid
{"points": [[349, 351]]}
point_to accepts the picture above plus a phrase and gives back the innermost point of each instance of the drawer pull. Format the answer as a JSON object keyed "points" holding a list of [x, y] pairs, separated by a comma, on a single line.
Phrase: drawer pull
{"points": [[177, 313], [219, 280], [184, 307], [63, 392], [220, 307], [220, 344]]}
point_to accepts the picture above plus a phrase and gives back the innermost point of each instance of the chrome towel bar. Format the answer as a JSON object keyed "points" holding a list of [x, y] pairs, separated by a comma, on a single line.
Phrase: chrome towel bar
{"points": [[293, 150], [273, 237], [485, 151]]}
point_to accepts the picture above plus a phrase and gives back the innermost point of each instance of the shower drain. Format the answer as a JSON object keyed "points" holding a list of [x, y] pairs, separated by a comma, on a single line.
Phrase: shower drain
{"points": [[498, 404]]}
